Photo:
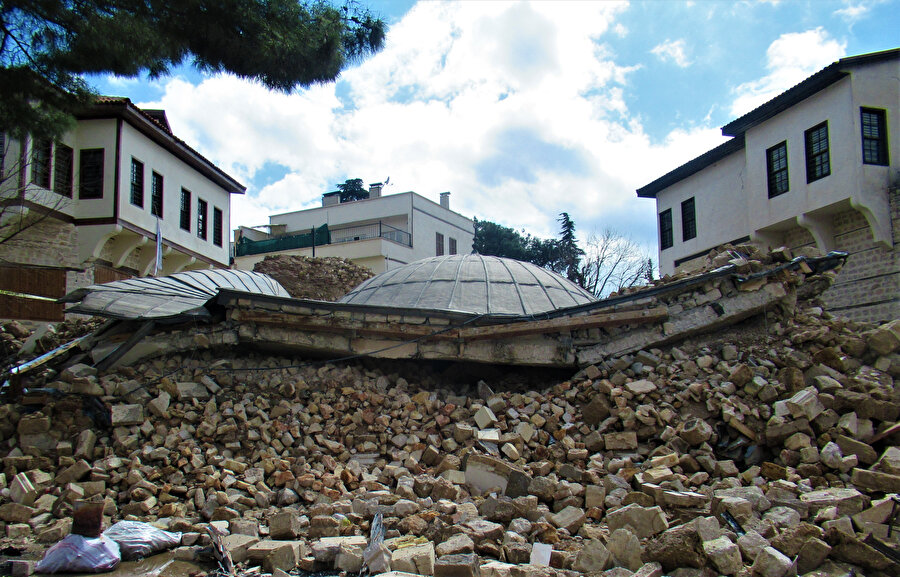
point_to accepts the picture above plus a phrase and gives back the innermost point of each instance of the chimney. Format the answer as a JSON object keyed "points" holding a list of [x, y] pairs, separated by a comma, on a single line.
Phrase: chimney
{"points": [[375, 190], [331, 198], [445, 200]]}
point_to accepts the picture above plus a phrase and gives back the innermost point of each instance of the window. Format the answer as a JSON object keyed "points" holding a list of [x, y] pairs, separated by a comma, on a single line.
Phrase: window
{"points": [[201, 219], [186, 209], [90, 174], [874, 136], [818, 164], [217, 226], [41, 153], [64, 177], [137, 183], [452, 248], [156, 194], [438, 244], [665, 229], [777, 169], [688, 220]]}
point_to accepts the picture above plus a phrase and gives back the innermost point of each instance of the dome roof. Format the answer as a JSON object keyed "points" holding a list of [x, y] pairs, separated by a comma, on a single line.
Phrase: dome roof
{"points": [[471, 283]]}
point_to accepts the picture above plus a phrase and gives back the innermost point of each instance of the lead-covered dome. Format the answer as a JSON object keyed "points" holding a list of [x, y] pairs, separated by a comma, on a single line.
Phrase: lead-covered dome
{"points": [[471, 283]]}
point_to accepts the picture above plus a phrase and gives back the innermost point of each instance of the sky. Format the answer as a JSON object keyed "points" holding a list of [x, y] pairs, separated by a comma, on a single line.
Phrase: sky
{"points": [[521, 110]]}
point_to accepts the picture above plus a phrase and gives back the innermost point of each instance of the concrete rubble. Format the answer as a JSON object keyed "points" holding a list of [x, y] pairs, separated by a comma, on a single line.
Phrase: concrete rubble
{"points": [[769, 449]]}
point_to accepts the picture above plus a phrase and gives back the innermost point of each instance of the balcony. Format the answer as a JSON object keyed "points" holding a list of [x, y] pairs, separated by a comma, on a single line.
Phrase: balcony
{"points": [[323, 236]]}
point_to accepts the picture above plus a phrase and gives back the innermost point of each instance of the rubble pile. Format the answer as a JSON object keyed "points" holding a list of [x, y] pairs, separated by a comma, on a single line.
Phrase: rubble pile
{"points": [[772, 455], [19, 343], [326, 279]]}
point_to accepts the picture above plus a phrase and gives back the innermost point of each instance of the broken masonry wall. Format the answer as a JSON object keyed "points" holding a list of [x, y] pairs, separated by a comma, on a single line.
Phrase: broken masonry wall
{"points": [[868, 288]]}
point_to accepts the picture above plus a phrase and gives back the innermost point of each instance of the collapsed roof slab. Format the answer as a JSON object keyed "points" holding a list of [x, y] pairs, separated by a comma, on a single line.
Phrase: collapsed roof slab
{"points": [[577, 336]]}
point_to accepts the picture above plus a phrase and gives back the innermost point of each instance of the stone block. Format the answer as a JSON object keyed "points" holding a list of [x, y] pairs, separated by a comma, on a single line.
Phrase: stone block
{"points": [[724, 555], [875, 481], [644, 521], [84, 448], [187, 391], [22, 490], [570, 518], [624, 441], [349, 558], [847, 500], [593, 556], [864, 452], [484, 473], [273, 555], [771, 563], [465, 565], [641, 387], [16, 513], [812, 554], [160, 405], [74, 472], [485, 418], [456, 544], [805, 403], [625, 549], [126, 415], [418, 559], [285, 524], [238, 545]]}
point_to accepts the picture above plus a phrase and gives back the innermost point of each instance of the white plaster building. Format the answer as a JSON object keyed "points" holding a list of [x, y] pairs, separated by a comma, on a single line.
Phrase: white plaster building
{"points": [[380, 232], [94, 198], [818, 165]]}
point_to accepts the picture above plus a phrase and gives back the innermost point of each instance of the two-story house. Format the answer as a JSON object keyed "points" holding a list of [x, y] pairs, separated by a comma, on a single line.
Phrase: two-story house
{"points": [[378, 232], [818, 165], [86, 209]]}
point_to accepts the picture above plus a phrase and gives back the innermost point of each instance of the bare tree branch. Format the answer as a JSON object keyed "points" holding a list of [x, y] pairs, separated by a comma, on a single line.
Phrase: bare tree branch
{"points": [[613, 262]]}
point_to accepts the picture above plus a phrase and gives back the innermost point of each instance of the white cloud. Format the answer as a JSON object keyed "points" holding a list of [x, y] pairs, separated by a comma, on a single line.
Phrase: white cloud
{"points": [[518, 109], [672, 51], [854, 11], [789, 59]]}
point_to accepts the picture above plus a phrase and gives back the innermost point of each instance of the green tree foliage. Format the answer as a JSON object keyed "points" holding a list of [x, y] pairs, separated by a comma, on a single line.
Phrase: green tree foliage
{"points": [[353, 189], [569, 254], [492, 239], [611, 261], [46, 45]]}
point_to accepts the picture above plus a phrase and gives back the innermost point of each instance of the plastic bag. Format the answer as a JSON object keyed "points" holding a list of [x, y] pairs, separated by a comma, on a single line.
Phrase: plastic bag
{"points": [[77, 554], [138, 539]]}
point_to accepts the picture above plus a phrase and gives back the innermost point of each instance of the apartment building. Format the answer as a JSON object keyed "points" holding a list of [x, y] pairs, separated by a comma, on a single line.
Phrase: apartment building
{"points": [[378, 232]]}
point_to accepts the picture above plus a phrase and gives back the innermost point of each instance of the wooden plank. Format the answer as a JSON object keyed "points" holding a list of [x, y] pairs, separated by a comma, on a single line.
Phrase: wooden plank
{"points": [[342, 325], [565, 324]]}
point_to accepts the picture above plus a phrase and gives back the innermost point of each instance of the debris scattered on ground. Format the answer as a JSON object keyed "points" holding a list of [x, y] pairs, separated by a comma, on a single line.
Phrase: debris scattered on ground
{"points": [[770, 448]]}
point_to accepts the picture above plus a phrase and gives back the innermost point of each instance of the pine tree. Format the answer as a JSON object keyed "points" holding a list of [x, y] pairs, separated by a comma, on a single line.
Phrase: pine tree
{"points": [[46, 46], [569, 252]]}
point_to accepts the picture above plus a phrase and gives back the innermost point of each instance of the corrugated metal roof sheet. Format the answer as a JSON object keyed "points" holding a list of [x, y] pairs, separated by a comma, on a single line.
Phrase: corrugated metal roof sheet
{"points": [[176, 297], [471, 283]]}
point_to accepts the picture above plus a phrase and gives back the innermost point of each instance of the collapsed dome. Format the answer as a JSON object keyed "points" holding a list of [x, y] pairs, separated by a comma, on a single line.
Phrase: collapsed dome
{"points": [[471, 283]]}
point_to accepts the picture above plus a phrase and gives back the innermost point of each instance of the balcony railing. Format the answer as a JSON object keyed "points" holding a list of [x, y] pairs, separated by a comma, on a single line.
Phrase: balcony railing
{"points": [[367, 231], [323, 236]]}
